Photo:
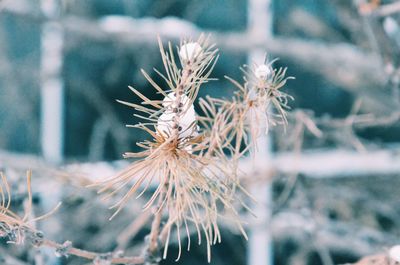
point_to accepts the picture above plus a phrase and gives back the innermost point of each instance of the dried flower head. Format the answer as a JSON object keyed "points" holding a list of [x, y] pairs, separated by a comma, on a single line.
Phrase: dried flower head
{"points": [[192, 181]]}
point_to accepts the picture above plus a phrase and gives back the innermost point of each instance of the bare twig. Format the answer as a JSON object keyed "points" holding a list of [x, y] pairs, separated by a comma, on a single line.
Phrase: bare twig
{"points": [[91, 255], [155, 226], [153, 249]]}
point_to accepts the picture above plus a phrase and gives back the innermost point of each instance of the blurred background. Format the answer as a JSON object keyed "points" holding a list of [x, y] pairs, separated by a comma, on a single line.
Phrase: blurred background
{"points": [[327, 186]]}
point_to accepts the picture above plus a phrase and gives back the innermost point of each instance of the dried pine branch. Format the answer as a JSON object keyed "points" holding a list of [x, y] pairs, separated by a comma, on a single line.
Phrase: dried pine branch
{"points": [[258, 104], [192, 183]]}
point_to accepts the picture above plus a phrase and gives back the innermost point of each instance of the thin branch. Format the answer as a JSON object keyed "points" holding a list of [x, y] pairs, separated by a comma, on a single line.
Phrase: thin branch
{"points": [[91, 255], [156, 224]]}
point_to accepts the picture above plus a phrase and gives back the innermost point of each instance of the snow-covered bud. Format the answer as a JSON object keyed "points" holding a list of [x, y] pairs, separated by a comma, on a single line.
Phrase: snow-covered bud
{"points": [[169, 101], [184, 117], [394, 253], [263, 72], [190, 51]]}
